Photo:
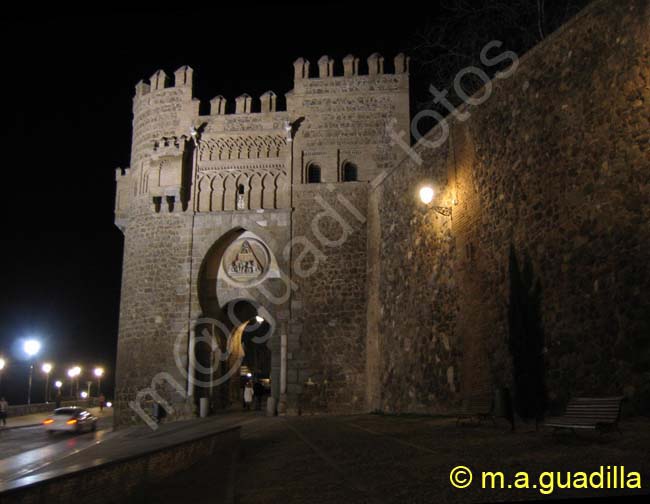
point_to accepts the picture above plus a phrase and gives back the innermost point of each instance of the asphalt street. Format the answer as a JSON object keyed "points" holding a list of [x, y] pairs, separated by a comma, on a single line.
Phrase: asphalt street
{"points": [[28, 449]]}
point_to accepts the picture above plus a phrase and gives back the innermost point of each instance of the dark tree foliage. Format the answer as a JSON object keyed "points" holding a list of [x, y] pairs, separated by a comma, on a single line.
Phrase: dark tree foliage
{"points": [[454, 39], [526, 340]]}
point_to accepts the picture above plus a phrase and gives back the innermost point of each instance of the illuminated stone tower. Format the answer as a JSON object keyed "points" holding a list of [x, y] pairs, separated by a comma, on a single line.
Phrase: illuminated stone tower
{"points": [[251, 226]]}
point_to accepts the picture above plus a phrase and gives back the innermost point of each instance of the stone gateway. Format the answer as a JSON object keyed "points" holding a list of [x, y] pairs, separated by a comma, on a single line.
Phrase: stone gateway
{"points": [[291, 245]]}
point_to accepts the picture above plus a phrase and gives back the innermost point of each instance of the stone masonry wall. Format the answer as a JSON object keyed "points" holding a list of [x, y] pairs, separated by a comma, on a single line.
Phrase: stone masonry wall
{"points": [[556, 163], [327, 332], [417, 347], [154, 307]]}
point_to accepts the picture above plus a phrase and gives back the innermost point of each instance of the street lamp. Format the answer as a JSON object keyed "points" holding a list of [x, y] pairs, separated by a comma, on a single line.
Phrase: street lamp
{"points": [[2, 366], [84, 394], [58, 384], [71, 376], [99, 372], [73, 373], [31, 347], [46, 368], [426, 196], [77, 372]]}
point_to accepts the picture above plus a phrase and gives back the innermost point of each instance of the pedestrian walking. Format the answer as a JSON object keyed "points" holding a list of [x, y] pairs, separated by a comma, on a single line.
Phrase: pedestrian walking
{"points": [[102, 402], [248, 395], [4, 410]]}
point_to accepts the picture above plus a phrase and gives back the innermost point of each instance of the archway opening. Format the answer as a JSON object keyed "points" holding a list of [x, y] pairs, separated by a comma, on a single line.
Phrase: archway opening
{"points": [[232, 338], [249, 351]]}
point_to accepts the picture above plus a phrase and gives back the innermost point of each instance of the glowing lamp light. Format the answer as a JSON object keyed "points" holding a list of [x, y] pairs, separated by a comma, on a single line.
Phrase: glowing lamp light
{"points": [[98, 372], [2, 364], [426, 195], [58, 384], [84, 394], [109, 404], [47, 367], [31, 347]]}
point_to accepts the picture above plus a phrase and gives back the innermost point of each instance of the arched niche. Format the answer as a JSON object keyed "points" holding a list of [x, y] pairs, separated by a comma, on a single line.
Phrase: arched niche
{"points": [[349, 172], [313, 174], [238, 260]]}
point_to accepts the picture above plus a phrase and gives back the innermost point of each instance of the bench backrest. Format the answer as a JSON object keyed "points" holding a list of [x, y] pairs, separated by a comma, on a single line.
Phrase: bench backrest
{"points": [[598, 409], [478, 403]]}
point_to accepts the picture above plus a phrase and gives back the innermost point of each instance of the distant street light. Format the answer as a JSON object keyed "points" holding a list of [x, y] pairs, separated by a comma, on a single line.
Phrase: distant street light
{"points": [[31, 347], [84, 394], [2, 366], [77, 372], [73, 373], [46, 368], [99, 372], [58, 384], [71, 376]]}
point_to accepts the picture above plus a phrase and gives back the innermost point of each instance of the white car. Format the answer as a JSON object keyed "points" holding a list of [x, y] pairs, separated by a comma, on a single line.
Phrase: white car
{"points": [[71, 419]]}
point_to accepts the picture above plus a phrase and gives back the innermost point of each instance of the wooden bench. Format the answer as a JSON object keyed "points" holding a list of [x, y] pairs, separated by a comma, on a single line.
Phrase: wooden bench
{"points": [[594, 413], [477, 406]]}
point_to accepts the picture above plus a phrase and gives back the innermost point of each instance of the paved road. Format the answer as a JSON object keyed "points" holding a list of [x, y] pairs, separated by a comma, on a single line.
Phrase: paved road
{"points": [[25, 450]]}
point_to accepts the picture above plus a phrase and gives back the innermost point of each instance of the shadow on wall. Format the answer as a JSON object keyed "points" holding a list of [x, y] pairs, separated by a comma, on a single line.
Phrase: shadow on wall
{"points": [[526, 339]]}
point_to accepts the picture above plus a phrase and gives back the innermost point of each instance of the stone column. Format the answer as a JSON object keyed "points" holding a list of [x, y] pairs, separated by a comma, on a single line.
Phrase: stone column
{"points": [[191, 360]]}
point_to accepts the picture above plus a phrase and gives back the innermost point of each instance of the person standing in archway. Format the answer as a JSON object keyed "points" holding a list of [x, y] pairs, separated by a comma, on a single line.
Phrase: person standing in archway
{"points": [[248, 395]]}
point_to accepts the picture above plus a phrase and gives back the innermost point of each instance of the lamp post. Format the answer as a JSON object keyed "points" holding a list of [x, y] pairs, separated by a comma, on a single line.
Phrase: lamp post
{"points": [[58, 384], [71, 376], [46, 368], [2, 366], [73, 373], [31, 347], [77, 372], [99, 372]]}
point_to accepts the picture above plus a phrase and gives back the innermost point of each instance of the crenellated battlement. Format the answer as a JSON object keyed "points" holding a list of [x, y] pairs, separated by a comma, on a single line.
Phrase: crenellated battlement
{"points": [[183, 77], [245, 104], [169, 146], [327, 67], [121, 172], [334, 121], [267, 102]]}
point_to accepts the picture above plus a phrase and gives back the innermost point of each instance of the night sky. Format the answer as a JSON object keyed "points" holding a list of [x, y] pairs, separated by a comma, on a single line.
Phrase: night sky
{"points": [[66, 125]]}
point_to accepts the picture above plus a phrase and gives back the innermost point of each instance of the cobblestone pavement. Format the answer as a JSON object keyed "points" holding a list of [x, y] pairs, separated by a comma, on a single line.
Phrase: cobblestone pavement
{"points": [[373, 459]]}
